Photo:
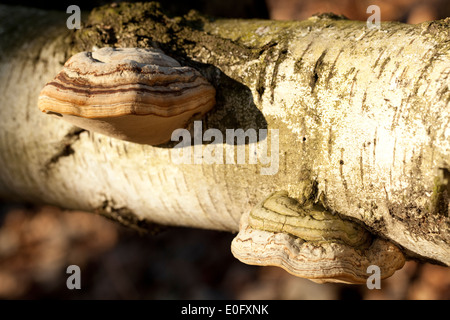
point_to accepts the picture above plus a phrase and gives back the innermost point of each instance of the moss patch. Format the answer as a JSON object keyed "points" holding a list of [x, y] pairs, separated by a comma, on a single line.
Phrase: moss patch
{"points": [[439, 200]]}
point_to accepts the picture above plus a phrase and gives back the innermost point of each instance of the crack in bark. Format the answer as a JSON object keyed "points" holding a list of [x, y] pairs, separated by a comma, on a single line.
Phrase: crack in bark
{"points": [[262, 74], [318, 68], [128, 218], [281, 57], [64, 149]]}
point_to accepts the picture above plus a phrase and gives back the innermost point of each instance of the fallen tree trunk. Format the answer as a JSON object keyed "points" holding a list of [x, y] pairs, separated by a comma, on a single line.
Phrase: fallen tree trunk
{"points": [[362, 113]]}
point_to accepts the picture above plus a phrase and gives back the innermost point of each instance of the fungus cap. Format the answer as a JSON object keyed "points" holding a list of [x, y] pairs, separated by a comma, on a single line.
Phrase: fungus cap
{"points": [[133, 94]]}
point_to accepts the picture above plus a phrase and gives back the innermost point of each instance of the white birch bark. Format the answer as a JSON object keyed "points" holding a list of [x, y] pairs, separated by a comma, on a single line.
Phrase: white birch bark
{"points": [[363, 113]]}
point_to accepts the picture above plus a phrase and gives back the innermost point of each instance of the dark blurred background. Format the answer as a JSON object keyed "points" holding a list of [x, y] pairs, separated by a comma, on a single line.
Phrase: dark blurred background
{"points": [[409, 11], [37, 243]]}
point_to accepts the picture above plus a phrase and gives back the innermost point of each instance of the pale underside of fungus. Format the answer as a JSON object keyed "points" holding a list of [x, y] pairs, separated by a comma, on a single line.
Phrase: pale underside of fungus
{"points": [[133, 94], [309, 242]]}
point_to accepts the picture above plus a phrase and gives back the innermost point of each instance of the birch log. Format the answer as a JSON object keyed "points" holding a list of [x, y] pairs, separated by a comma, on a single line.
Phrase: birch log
{"points": [[362, 113]]}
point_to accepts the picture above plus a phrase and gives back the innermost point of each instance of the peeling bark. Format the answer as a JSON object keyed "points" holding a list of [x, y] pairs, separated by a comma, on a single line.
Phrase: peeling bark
{"points": [[364, 114]]}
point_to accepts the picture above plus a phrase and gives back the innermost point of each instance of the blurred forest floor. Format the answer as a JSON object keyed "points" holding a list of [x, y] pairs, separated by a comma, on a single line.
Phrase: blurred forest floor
{"points": [[38, 243]]}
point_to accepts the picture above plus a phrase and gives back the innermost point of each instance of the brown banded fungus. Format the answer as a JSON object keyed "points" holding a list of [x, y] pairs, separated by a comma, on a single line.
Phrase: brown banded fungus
{"points": [[133, 94]]}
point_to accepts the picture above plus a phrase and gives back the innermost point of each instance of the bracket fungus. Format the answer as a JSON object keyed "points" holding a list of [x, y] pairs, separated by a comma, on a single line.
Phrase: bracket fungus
{"points": [[310, 242], [133, 94]]}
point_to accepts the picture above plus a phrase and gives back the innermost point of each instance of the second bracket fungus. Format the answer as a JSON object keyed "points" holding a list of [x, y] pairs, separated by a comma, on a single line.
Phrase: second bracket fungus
{"points": [[133, 94], [309, 242]]}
